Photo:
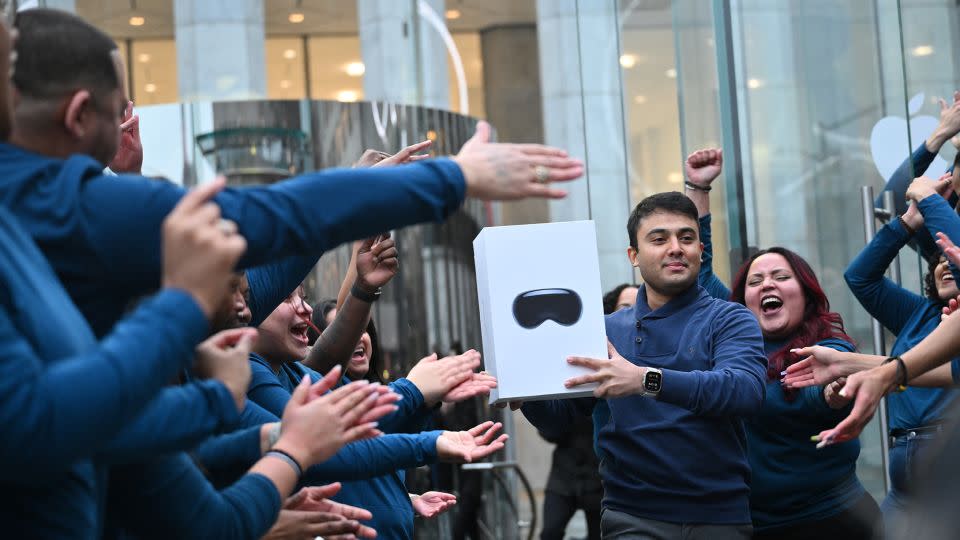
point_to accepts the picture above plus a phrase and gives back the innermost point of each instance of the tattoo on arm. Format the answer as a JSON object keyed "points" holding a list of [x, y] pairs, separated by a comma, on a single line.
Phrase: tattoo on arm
{"points": [[337, 343]]}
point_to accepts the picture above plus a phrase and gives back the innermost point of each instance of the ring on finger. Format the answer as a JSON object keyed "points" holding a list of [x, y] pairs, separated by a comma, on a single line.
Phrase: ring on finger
{"points": [[542, 174], [226, 226]]}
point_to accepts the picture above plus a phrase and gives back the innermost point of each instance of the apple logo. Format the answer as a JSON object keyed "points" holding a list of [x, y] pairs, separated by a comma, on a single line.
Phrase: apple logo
{"points": [[888, 140]]}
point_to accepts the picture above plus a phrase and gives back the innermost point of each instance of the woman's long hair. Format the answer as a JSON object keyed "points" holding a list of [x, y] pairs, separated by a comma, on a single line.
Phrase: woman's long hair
{"points": [[819, 322]]}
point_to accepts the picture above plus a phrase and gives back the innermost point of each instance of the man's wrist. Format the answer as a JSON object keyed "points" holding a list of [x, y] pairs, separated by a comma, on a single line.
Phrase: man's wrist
{"points": [[936, 140]]}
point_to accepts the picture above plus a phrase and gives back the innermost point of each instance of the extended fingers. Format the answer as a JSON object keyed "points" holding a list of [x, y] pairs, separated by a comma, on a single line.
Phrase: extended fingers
{"points": [[475, 431], [488, 436], [584, 379], [486, 450]]}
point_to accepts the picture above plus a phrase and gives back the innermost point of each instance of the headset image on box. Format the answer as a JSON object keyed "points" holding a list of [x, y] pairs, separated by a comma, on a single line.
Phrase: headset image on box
{"points": [[533, 308]]}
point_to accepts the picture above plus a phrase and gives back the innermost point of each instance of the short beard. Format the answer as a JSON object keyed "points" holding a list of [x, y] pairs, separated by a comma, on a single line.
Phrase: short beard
{"points": [[672, 289]]}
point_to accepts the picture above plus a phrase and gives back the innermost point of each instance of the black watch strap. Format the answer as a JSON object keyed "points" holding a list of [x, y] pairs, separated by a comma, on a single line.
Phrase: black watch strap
{"points": [[360, 294]]}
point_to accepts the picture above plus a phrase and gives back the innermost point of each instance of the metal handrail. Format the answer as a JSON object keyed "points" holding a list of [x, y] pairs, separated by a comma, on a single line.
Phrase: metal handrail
{"points": [[497, 465]]}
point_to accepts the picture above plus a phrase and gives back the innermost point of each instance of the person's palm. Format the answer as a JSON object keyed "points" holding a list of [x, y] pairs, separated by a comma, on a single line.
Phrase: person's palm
{"points": [[375, 269], [433, 503], [466, 446]]}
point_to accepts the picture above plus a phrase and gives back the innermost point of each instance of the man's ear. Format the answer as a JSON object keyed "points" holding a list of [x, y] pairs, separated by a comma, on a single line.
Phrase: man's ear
{"points": [[78, 107], [632, 255]]}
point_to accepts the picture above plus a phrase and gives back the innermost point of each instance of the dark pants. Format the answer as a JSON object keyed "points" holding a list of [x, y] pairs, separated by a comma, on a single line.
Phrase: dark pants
{"points": [[621, 526], [862, 521], [558, 509]]}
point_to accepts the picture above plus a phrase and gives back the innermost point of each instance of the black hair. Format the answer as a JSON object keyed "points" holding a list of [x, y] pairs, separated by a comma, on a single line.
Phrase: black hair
{"points": [[930, 280], [59, 53], [319, 319], [671, 201], [610, 299]]}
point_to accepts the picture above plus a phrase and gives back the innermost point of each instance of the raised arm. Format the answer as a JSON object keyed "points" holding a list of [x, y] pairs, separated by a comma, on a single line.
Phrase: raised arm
{"points": [[375, 263], [886, 301]]}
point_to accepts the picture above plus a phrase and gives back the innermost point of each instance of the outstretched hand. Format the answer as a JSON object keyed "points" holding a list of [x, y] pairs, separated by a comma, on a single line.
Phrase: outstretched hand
{"points": [[950, 250], [501, 171], [821, 365], [433, 503], [923, 187], [467, 446], [866, 389]]}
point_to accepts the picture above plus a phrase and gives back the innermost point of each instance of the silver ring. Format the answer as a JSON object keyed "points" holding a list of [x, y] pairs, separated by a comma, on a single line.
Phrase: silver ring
{"points": [[542, 173], [225, 226]]}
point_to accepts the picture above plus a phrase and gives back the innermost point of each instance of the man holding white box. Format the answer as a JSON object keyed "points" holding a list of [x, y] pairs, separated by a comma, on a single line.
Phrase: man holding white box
{"points": [[673, 458]]}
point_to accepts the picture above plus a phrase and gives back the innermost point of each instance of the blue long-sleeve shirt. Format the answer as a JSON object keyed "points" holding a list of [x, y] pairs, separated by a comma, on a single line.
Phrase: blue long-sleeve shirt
{"points": [[174, 500], [102, 233], [682, 457], [384, 496], [792, 481], [915, 165], [909, 316], [55, 378]]}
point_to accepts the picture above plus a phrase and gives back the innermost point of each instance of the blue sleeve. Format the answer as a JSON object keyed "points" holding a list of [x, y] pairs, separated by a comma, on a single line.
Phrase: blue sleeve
{"points": [[266, 391], [46, 408], [955, 370], [553, 417], [812, 396], [886, 301], [370, 458], [915, 165], [412, 416], [707, 279], [168, 497], [938, 216], [227, 457], [735, 385], [179, 418], [310, 214], [271, 283]]}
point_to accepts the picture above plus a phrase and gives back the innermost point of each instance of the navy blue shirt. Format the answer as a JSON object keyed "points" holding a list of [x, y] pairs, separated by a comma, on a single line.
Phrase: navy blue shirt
{"points": [[792, 481], [64, 398], [909, 316], [680, 458], [384, 496]]}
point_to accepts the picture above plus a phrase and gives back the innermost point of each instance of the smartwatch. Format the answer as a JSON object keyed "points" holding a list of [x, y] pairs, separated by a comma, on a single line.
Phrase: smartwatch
{"points": [[652, 382], [364, 296]]}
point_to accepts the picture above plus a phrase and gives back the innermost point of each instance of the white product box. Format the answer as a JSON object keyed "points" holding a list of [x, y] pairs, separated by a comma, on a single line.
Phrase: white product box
{"points": [[540, 302]]}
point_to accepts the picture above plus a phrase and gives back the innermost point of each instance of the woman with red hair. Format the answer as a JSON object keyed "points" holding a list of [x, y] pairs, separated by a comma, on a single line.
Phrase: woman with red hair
{"points": [[797, 491]]}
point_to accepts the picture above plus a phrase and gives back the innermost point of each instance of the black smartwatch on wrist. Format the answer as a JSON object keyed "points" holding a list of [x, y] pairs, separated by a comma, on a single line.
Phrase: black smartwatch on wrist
{"points": [[652, 382], [364, 296]]}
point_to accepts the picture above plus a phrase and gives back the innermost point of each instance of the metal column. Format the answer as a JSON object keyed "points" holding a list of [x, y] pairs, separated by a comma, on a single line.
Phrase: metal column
{"points": [[870, 215]]}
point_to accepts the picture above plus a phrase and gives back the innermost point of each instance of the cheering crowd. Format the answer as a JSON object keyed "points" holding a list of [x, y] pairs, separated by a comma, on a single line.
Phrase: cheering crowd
{"points": [[164, 376]]}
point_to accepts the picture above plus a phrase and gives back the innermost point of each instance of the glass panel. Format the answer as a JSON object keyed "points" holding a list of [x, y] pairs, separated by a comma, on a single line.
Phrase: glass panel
{"points": [[286, 68], [813, 80], [336, 68], [468, 46], [154, 72]]}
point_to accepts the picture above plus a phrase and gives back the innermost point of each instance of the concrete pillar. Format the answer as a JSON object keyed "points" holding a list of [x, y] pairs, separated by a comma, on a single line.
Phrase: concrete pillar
{"points": [[583, 113], [220, 49], [403, 52], [511, 87]]}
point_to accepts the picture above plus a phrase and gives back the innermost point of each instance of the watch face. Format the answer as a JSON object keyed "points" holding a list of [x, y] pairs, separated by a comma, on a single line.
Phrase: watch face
{"points": [[652, 381]]}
